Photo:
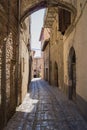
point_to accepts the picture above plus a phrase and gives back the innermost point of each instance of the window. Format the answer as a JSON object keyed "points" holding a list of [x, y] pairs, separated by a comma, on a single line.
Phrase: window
{"points": [[64, 20]]}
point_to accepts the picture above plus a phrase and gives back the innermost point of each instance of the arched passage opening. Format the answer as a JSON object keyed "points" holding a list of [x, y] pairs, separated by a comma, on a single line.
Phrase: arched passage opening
{"points": [[56, 75], [26, 8], [72, 74], [30, 6]]}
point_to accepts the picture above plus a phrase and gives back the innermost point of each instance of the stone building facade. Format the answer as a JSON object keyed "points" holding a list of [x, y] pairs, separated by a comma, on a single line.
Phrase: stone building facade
{"points": [[52, 45], [24, 56], [68, 51], [13, 79], [8, 59], [45, 47], [75, 60]]}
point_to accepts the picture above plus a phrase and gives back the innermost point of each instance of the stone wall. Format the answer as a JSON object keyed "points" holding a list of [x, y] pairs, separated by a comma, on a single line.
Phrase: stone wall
{"points": [[77, 39], [74, 36], [14, 58], [24, 57], [8, 42]]}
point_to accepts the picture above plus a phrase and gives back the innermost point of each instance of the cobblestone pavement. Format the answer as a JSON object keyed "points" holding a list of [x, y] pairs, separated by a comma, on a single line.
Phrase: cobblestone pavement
{"points": [[46, 108]]}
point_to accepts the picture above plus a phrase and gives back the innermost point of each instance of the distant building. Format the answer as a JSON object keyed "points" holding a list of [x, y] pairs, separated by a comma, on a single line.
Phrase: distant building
{"points": [[37, 67]]}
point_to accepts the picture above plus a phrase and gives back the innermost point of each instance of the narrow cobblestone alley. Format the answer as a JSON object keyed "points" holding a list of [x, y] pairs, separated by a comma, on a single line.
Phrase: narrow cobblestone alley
{"points": [[46, 108]]}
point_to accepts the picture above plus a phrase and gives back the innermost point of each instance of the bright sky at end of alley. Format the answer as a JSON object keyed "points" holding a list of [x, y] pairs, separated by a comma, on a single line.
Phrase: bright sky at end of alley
{"points": [[36, 25]]}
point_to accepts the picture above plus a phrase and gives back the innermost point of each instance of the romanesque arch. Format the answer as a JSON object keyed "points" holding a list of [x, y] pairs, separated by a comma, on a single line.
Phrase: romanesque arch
{"points": [[30, 6], [72, 74]]}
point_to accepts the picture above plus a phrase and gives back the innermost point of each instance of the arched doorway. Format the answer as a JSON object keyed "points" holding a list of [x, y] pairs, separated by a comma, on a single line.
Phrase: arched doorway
{"points": [[72, 74], [56, 75]]}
